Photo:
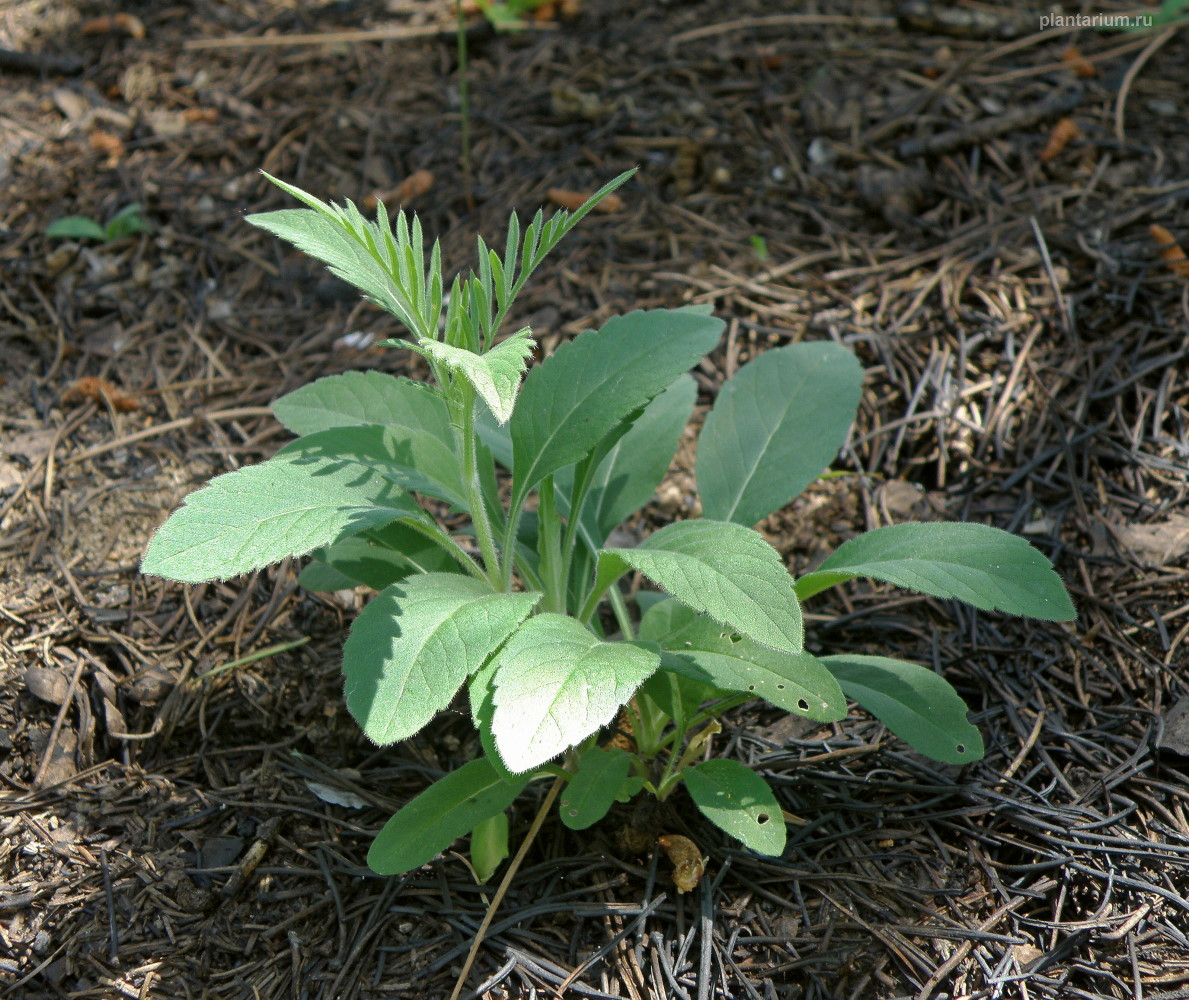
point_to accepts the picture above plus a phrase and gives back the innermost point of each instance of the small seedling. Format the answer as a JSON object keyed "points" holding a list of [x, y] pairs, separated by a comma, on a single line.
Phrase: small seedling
{"points": [[759, 246], [125, 222], [523, 607]]}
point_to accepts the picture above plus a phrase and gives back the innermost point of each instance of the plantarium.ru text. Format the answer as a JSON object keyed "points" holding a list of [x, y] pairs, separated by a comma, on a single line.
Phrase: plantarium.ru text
{"points": [[524, 608]]}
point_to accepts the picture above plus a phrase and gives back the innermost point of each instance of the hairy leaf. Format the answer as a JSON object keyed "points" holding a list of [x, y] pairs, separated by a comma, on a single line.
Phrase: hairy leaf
{"points": [[495, 375], [412, 647], [354, 399], [916, 704], [258, 515], [556, 683], [449, 808], [736, 799], [983, 566], [774, 427], [723, 570]]}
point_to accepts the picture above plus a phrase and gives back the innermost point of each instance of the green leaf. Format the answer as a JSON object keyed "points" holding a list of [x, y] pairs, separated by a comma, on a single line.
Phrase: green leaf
{"points": [[76, 227], [355, 399], [697, 648], [125, 222], [495, 375], [774, 427], [983, 566], [320, 577], [723, 570], [258, 515], [916, 704], [675, 693], [412, 647], [594, 787], [736, 799], [489, 845], [416, 459], [581, 393], [449, 808], [556, 683], [628, 476]]}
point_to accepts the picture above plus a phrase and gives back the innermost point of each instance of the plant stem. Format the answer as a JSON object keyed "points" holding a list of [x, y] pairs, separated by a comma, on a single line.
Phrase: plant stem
{"points": [[549, 540], [470, 470], [505, 883]]}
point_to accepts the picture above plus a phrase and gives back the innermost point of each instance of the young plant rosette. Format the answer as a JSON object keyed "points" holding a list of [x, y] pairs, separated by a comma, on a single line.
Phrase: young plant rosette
{"points": [[516, 606]]}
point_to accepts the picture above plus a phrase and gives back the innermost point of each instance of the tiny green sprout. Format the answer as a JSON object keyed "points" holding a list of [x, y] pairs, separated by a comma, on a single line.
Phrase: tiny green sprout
{"points": [[760, 246], [125, 222], [523, 606]]}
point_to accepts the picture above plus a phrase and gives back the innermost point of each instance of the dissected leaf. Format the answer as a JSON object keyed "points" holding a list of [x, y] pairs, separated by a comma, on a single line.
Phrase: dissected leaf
{"points": [[495, 375], [736, 799], [258, 515], [983, 566], [774, 427], [916, 704], [449, 808], [723, 570], [594, 787], [556, 683], [412, 647], [589, 385]]}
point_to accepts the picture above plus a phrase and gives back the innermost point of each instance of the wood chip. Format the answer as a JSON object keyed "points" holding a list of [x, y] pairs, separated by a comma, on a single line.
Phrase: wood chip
{"points": [[115, 24]]}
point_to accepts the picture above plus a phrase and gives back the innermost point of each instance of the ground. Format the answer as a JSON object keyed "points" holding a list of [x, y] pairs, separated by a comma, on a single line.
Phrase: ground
{"points": [[885, 178]]}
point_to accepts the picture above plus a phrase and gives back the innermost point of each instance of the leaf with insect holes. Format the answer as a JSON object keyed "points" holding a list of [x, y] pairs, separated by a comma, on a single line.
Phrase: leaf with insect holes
{"points": [[451, 807], [773, 429], [556, 683], [723, 570], [916, 704], [590, 384], [983, 566], [495, 375], [699, 649], [412, 647], [736, 799], [594, 787], [260, 514]]}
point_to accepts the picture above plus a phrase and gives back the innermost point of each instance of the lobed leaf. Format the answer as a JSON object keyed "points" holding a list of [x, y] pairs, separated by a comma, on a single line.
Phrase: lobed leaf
{"points": [[736, 799], [723, 570], [261, 514], [412, 647], [445, 811], [975, 563], [556, 683], [773, 429], [916, 704], [495, 375]]}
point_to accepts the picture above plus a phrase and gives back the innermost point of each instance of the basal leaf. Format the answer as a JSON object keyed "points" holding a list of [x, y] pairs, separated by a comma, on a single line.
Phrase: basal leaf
{"points": [[412, 647], [723, 570], [556, 683], [736, 799], [590, 384], [76, 227], [983, 566], [448, 809], [354, 399], [416, 458], [699, 649], [489, 845], [916, 704], [774, 427], [376, 559], [320, 577], [258, 515], [594, 787], [495, 375]]}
